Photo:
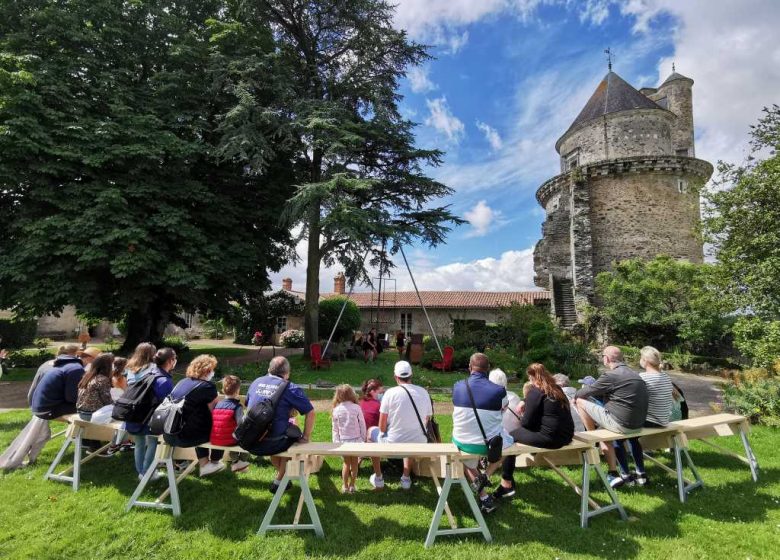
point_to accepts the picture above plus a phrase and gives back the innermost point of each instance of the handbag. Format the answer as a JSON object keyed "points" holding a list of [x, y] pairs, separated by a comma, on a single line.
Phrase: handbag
{"points": [[168, 418], [431, 428], [495, 444]]}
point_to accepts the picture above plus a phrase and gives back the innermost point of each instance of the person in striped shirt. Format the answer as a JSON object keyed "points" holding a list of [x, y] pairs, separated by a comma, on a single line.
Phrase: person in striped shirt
{"points": [[659, 412]]}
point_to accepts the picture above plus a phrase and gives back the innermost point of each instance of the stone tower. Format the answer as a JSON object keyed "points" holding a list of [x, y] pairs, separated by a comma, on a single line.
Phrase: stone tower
{"points": [[624, 191]]}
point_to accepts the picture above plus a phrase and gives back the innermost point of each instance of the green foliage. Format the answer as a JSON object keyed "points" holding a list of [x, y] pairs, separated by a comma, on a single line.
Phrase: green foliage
{"points": [[758, 399], [329, 311], [742, 222], [42, 343], [177, 343], [113, 195], [333, 104], [17, 333], [663, 302], [260, 313], [24, 359], [759, 341], [291, 338], [216, 328]]}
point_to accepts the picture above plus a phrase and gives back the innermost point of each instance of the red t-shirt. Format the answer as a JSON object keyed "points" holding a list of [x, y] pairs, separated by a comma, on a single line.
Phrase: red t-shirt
{"points": [[370, 408]]}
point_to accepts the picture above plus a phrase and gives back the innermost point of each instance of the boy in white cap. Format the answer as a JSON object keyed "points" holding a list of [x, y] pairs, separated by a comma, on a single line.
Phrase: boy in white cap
{"points": [[403, 414]]}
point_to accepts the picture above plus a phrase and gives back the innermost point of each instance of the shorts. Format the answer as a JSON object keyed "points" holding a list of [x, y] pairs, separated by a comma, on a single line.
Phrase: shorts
{"points": [[271, 446], [603, 418]]}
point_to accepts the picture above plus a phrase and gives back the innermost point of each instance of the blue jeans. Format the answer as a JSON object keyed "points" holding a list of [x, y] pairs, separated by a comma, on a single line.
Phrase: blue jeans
{"points": [[145, 448]]}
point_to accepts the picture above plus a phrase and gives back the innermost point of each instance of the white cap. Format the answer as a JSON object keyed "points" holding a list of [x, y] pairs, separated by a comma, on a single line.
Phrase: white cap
{"points": [[402, 369]]}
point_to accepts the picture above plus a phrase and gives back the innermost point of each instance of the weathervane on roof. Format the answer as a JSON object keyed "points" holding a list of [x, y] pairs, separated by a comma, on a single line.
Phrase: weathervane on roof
{"points": [[673, 70], [608, 52]]}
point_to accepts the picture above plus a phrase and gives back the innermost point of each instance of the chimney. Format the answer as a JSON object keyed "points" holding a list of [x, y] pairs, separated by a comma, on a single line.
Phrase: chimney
{"points": [[340, 283], [287, 284]]}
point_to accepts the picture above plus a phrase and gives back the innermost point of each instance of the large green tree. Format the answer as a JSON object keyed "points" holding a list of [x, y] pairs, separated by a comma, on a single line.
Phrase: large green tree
{"points": [[664, 302], [114, 196], [742, 222], [361, 185]]}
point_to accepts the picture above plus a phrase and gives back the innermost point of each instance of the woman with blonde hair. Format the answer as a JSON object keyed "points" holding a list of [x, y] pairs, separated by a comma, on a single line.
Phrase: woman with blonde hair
{"points": [[200, 395], [545, 421], [349, 426]]}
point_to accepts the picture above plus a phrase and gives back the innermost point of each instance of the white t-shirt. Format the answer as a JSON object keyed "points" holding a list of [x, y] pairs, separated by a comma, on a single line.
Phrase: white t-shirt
{"points": [[402, 423]]}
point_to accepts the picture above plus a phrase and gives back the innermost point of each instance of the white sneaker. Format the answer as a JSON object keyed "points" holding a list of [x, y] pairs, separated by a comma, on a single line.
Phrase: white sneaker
{"points": [[239, 466], [376, 481], [211, 467], [406, 483]]}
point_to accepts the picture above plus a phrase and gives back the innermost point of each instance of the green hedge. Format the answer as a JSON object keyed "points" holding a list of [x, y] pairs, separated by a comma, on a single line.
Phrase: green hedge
{"points": [[758, 399], [17, 334]]}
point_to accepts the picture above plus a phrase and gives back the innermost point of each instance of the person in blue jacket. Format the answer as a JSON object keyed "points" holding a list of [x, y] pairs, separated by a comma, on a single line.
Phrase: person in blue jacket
{"points": [[58, 390], [146, 444]]}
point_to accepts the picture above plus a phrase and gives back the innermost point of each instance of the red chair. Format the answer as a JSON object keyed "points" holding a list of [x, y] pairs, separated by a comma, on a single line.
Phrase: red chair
{"points": [[446, 363], [316, 356]]}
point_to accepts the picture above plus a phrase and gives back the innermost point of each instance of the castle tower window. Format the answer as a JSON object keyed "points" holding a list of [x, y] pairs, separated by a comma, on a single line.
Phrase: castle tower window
{"points": [[682, 186], [572, 160], [682, 152]]}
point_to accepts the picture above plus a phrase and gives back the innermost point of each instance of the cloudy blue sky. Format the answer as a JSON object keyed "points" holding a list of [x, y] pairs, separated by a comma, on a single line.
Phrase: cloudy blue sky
{"points": [[508, 78]]}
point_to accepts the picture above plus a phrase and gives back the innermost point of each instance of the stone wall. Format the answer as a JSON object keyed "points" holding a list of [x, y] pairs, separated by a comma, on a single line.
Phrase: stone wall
{"points": [[640, 132], [679, 100], [643, 215]]}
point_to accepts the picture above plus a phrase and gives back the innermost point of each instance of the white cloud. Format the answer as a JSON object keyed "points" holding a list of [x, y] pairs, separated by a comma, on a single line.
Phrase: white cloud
{"points": [[419, 80], [481, 217], [732, 53], [442, 119], [455, 42], [512, 271], [491, 135]]}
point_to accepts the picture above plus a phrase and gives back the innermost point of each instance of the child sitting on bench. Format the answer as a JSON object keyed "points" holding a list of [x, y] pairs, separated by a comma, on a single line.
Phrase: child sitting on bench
{"points": [[225, 416]]}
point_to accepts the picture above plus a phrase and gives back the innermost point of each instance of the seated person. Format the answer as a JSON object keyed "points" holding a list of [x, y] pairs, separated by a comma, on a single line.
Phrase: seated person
{"points": [[403, 414], [624, 395], [283, 434], [565, 384], [58, 390], [225, 417], [546, 422], [488, 402]]}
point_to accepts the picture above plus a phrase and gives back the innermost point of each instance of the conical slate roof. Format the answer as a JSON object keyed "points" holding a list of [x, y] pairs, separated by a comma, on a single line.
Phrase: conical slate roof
{"points": [[675, 76], [613, 94]]}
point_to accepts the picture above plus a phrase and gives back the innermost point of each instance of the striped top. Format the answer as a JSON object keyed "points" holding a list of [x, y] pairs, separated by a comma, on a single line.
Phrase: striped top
{"points": [[659, 392], [490, 400]]}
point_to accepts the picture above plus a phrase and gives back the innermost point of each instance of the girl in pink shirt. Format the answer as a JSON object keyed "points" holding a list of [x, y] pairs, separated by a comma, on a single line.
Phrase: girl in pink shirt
{"points": [[349, 426]]}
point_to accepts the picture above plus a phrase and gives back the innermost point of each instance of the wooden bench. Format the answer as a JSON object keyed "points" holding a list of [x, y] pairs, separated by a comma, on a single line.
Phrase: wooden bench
{"points": [[76, 432], [704, 428], [444, 459], [655, 438], [576, 453]]}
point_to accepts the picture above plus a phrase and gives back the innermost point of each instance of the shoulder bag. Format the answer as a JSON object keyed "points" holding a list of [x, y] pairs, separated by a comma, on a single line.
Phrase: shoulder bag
{"points": [[496, 443]]}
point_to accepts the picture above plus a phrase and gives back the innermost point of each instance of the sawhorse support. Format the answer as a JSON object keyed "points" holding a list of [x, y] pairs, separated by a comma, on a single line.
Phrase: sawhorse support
{"points": [[454, 474], [163, 458], [590, 459], [296, 470], [74, 435]]}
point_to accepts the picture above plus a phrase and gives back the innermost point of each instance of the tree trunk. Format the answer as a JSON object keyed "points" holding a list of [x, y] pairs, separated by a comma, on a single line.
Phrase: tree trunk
{"points": [[312, 310], [146, 324]]}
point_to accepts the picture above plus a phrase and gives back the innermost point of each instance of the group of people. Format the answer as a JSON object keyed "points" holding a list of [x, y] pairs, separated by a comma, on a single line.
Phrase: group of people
{"points": [[484, 414]]}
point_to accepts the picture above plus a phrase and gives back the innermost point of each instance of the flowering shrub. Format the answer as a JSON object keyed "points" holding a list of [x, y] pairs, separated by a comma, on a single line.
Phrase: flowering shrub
{"points": [[291, 339]]}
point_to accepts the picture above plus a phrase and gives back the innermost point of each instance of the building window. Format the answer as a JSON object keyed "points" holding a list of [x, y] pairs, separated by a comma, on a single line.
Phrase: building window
{"points": [[406, 323], [682, 186], [682, 152], [571, 160], [281, 325]]}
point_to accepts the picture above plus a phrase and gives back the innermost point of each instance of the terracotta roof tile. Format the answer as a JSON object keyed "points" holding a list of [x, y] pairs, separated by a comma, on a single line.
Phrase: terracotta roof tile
{"points": [[449, 300]]}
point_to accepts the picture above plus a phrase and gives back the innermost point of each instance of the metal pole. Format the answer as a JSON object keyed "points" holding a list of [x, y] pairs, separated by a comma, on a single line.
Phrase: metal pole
{"points": [[349, 295], [419, 297]]}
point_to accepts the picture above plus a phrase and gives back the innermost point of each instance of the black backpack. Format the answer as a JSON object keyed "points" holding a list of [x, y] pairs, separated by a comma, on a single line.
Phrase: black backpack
{"points": [[137, 403], [257, 421]]}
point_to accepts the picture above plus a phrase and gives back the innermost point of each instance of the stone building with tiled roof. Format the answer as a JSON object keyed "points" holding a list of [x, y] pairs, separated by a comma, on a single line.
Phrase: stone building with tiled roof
{"points": [[402, 310], [626, 188]]}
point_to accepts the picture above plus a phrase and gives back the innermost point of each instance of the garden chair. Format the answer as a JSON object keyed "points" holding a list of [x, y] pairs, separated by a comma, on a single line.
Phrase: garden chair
{"points": [[446, 363], [316, 356]]}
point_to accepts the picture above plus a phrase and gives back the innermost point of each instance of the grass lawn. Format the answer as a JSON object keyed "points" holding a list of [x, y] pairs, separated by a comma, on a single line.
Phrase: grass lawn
{"points": [[730, 518]]}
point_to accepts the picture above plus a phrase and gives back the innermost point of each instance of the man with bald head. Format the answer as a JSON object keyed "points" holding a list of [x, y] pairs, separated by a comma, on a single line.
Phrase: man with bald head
{"points": [[617, 401]]}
